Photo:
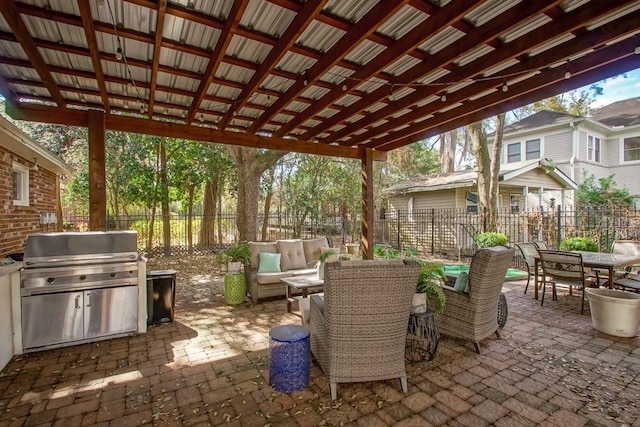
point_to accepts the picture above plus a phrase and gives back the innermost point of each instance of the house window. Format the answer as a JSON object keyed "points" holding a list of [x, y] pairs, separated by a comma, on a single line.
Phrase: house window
{"points": [[472, 203], [20, 185], [632, 149], [513, 153], [533, 149], [593, 149], [514, 203]]}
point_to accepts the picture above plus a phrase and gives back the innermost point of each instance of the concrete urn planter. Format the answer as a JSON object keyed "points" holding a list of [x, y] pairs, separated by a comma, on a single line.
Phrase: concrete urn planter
{"points": [[614, 312]]}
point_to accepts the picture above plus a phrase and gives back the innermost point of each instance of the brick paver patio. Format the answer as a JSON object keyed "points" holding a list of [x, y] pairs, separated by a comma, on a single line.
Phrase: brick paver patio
{"points": [[210, 367]]}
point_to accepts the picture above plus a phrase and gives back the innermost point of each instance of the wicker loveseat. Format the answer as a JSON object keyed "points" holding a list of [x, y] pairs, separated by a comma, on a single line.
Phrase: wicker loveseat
{"points": [[297, 258], [359, 328], [472, 315]]}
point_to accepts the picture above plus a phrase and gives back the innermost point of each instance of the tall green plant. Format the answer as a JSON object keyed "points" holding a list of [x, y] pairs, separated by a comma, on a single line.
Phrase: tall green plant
{"points": [[430, 282]]}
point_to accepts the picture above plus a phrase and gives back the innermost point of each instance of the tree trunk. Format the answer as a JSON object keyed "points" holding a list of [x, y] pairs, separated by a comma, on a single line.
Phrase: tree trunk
{"points": [[207, 228], [164, 197], [192, 189], [448, 151], [267, 203], [479, 139], [495, 172], [250, 164]]}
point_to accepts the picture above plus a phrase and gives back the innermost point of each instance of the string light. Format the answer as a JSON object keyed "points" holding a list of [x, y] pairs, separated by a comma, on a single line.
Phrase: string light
{"points": [[443, 97], [201, 117], [505, 87], [345, 87], [637, 50], [126, 104], [119, 55], [567, 74], [141, 108]]}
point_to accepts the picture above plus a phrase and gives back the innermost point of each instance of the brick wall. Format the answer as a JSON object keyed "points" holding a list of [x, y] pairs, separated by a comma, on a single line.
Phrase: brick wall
{"points": [[16, 222]]}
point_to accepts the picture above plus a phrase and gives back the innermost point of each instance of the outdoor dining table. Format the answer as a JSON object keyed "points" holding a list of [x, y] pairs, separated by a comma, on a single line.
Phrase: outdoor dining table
{"points": [[602, 260]]}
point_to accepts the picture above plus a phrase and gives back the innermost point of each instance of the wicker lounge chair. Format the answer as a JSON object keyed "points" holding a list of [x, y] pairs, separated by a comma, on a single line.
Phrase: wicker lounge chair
{"points": [[472, 315], [358, 330]]}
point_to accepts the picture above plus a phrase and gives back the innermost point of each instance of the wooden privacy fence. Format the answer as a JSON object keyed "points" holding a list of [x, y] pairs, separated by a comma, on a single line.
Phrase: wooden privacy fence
{"points": [[448, 232]]}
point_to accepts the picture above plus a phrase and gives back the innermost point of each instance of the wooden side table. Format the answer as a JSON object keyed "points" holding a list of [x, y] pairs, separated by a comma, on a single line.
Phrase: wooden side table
{"points": [[422, 337]]}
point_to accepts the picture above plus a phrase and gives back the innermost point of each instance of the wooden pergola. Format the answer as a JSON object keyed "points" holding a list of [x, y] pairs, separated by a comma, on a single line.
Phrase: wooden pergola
{"points": [[347, 78]]}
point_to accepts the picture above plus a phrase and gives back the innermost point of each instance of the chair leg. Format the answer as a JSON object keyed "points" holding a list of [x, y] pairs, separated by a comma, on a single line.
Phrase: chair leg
{"points": [[403, 384], [498, 334], [527, 287], [582, 306], [544, 288], [476, 346], [334, 390]]}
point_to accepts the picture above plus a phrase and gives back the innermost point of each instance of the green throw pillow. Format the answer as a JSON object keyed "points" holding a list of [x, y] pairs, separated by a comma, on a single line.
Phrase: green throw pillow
{"points": [[269, 262], [462, 282]]}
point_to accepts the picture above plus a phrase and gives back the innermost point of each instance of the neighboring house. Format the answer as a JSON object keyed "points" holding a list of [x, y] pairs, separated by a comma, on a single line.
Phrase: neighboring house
{"points": [[30, 184], [607, 143], [521, 187]]}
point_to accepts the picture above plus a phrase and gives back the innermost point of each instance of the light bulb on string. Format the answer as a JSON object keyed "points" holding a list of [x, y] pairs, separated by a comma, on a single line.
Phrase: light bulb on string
{"points": [[201, 117], [567, 74], [119, 53], [345, 87], [505, 87], [443, 97]]}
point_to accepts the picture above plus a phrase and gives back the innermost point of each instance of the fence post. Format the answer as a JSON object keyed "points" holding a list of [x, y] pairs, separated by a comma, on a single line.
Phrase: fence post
{"points": [[559, 225], [398, 230], [433, 226]]}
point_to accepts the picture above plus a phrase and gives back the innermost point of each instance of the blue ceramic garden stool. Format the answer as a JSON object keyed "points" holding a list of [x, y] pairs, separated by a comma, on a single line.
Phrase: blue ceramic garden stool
{"points": [[290, 358]]}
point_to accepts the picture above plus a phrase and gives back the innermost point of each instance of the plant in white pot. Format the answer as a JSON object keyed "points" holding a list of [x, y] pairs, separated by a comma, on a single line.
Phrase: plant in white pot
{"points": [[429, 293], [325, 256], [237, 255]]}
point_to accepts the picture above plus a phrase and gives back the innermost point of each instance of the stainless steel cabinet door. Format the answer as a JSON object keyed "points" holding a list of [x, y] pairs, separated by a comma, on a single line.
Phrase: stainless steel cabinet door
{"points": [[110, 311], [51, 319]]}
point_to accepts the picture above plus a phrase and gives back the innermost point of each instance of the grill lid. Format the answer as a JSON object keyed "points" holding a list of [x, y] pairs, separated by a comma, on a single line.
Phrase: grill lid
{"points": [[47, 249]]}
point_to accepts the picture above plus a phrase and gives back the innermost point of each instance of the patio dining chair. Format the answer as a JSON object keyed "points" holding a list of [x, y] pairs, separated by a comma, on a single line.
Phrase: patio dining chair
{"points": [[528, 251], [622, 247], [540, 244], [563, 268]]}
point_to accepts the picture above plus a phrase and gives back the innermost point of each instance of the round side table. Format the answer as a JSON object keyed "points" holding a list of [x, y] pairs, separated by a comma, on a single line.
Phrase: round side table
{"points": [[234, 288], [422, 337]]}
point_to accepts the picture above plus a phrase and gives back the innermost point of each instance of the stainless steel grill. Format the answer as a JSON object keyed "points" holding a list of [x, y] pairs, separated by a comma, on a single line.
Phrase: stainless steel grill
{"points": [[78, 287]]}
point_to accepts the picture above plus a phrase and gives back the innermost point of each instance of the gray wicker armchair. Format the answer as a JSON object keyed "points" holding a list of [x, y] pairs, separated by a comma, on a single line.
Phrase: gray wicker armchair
{"points": [[472, 315], [358, 330]]}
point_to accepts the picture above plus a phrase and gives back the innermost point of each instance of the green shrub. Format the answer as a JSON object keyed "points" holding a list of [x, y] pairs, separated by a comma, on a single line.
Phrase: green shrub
{"points": [[490, 239], [410, 252], [579, 244]]}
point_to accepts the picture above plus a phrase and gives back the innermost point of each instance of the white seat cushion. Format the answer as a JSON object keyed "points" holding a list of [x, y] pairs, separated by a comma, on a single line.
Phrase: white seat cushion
{"points": [[269, 278], [304, 272]]}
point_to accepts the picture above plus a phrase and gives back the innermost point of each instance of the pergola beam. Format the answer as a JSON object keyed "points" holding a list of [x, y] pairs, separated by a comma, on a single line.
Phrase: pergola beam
{"points": [[45, 114], [90, 34]]}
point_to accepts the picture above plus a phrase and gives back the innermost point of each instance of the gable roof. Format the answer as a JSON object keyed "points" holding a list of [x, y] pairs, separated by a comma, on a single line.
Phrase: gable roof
{"points": [[621, 113], [18, 142], [541, 118], [468, 178]]}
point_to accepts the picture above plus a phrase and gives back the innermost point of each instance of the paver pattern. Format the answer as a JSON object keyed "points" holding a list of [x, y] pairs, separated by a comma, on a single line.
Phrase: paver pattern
{"points": [[211, 367]]}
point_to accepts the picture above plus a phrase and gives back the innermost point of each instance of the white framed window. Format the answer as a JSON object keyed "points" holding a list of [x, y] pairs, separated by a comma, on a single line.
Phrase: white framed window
{"points": [[593, 148], [533, 149], [514, 203], [631, 149], [472, 202], [513, 153], [20, 185]]}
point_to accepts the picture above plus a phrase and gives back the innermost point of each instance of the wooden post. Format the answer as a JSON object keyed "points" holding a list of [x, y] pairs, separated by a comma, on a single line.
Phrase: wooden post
{"points": [[97, 166], [366, 157]]}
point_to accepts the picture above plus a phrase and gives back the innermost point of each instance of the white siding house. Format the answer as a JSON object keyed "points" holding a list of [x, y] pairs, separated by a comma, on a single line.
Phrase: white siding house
{"points": [[606, 143]]}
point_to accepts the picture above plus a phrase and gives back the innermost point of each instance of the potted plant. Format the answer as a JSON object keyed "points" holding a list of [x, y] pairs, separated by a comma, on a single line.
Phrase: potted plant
{"points": [[324, 256], [429, 293], [237, 255], [490, 239]]}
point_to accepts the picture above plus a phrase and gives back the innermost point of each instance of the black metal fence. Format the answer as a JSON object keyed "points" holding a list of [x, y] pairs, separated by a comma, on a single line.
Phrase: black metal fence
{"points": [[447, 232], [452, 232]]}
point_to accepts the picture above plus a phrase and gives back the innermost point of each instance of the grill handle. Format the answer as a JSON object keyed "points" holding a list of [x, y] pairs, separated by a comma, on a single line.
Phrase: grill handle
{"points": [[78, 302]]}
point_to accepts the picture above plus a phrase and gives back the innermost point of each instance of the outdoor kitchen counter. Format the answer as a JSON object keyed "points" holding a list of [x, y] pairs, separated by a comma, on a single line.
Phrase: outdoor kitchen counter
{"points": [[9, 289], [11, 312]]}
